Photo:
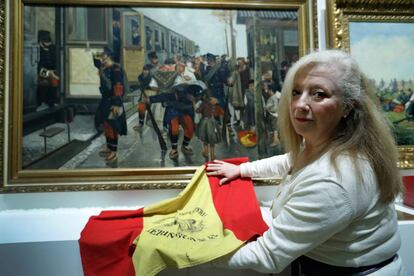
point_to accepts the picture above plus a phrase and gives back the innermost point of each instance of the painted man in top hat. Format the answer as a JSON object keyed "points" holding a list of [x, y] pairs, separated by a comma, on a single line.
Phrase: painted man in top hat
{"points": [[110, 113], [48, 80]]}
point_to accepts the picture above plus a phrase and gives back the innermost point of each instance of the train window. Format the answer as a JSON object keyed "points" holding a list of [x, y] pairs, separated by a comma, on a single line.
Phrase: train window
{"points": [[135, 33], [157, 41], [132, 30], [148, 33], [174, 47], [76, 23], [96, 23], [163, 41], [180, 46], [86, 24]]}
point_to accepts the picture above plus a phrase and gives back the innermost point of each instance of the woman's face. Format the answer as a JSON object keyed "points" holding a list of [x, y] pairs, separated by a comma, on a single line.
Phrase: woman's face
{"points": [[316, 106]]}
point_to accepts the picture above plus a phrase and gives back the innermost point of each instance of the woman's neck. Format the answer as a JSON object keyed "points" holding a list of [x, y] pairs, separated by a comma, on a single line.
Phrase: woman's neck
{"points": [[309, 153]]}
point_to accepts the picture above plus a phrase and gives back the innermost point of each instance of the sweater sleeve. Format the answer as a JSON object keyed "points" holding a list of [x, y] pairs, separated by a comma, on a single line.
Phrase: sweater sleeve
{"points": [[314, 212], [275, 166]]}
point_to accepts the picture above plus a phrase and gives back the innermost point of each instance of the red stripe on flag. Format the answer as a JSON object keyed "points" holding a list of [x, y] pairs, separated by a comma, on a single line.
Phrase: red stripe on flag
{"points": [[237, 205], [105, 242]]}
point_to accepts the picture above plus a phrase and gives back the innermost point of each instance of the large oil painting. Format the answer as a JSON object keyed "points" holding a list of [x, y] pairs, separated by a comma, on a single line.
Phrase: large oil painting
{"points": [[188, 78], [138, 95]]}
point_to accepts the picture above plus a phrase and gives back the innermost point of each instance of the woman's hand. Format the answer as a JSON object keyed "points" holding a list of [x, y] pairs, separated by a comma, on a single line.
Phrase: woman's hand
{"points": [[220, 168]]}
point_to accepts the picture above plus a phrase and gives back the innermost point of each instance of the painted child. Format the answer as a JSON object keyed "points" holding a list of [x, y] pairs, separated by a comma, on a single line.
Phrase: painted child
{"points": [[209, 130]]}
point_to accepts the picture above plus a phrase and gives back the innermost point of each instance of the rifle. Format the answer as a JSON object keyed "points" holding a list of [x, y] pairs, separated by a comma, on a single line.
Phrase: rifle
{"points": [[163, 145]]}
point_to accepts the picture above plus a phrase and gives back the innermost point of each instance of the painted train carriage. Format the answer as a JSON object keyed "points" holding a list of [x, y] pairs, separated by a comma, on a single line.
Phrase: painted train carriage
{"points": [[78, 32]]}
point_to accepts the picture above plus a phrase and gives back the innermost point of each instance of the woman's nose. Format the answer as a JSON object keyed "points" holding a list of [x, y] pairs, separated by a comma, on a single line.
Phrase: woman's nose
{"points": [[302, 102]]}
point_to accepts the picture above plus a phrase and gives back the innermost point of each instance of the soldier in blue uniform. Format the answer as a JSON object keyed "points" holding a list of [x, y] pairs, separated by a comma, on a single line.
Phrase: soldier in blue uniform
{"points": [[110, 113], [179, 110], [216, 76]]}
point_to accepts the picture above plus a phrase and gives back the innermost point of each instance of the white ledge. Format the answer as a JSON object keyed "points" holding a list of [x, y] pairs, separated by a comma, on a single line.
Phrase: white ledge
{"points": [[41, 225]]}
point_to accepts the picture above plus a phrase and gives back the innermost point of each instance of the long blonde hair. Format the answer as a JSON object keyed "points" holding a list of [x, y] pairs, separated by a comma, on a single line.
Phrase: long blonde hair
{"points": [[364, 132]]}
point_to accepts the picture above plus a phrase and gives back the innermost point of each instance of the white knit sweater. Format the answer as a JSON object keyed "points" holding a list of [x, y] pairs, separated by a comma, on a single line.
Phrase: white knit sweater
{"points": [[333, 218]]}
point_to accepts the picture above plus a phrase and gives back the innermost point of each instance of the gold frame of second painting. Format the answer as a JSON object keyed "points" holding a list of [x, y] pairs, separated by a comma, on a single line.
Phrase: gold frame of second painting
{"points": [[341, 12], [15, 179]]}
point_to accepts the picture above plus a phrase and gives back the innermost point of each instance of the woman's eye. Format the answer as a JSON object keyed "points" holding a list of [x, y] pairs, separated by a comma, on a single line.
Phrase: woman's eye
{"points": [[319, 94], [295, 92]]}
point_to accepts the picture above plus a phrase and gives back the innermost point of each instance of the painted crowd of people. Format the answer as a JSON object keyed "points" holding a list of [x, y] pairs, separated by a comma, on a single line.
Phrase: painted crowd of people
{"points": [[205, 95]]}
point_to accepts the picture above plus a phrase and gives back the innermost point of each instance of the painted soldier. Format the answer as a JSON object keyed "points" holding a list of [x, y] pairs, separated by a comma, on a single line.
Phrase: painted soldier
{"points": [[154, 61], [216, 75], [244, 72], [148, 86], [179, 111], [110, 113], [144, 80], [48, 81]]}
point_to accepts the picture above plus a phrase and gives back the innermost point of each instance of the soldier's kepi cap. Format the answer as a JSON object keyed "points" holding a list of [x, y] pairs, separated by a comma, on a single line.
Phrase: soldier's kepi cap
{"points": [[210, 56], [43, 35], [152, 55], [169, 61], [108, 51]]}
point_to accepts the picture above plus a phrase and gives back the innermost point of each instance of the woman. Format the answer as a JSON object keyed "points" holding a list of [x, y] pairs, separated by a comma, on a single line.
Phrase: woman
{"points": [[334, 210]]}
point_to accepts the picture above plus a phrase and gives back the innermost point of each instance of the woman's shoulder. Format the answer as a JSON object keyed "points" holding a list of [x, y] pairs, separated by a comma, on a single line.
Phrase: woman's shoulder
{"points": [[343, 161], [348, 163], [354, 174], [345, 170]]}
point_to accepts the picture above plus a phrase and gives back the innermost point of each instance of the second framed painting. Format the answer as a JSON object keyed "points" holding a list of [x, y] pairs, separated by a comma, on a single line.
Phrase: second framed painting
{"points": [[380, 37]]}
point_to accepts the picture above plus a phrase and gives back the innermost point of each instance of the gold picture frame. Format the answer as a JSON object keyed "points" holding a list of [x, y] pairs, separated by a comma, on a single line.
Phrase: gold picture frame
{"points": [[342, 13], [16, 179]]}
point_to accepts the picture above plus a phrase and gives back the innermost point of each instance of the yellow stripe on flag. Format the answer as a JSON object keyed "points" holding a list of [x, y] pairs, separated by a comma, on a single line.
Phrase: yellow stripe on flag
{"points": [[183, 231]]}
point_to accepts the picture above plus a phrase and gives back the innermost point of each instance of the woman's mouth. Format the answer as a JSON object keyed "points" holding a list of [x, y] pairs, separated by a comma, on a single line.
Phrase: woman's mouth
{"points": [[302, 120]]}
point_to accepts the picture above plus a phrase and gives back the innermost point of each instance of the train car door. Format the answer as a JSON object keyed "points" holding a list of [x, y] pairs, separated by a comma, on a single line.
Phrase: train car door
{"points": [[133, 38], [87, 31]]}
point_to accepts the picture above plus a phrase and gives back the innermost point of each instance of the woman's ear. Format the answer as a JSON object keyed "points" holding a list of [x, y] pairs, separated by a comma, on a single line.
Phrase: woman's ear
{"points": [[347, 110]]}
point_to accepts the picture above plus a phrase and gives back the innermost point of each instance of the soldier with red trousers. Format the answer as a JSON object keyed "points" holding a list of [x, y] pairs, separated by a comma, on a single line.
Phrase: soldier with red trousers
{"points": [[110, 114]]}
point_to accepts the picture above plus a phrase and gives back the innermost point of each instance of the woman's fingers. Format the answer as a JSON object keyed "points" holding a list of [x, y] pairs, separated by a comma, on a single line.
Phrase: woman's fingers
{"points": [[228, 171], [213, 167], [216, 163], [223, 180], [213, 173]]}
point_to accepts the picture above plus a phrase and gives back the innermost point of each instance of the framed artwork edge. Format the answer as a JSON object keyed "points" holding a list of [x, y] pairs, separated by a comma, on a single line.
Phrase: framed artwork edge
{"points": [[339, 15]]}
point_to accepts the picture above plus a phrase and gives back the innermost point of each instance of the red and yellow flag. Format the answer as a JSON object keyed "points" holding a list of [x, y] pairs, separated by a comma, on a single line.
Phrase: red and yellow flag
{"points": [[204, 222]]}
